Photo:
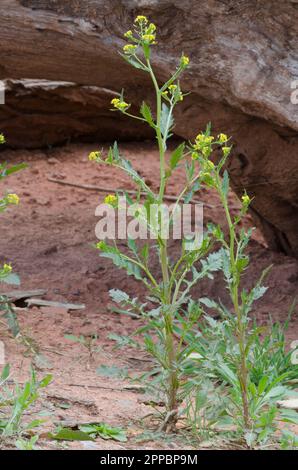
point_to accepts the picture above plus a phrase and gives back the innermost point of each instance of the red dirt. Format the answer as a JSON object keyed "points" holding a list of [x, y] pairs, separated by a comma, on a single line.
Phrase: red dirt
{"points": [[48, 239]]}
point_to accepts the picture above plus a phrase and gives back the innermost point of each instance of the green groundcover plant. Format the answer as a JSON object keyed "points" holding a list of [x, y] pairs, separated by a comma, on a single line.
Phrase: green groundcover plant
{"points": [[15, 400], [219, 369]]}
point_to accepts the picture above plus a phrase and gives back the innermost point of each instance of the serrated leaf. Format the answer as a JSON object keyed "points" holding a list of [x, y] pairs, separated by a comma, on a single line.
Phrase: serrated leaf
{"points": [[118, 296], [208, 302], [146, 113], [258, 292], [120, 260], [132, 245], [176, 156]]}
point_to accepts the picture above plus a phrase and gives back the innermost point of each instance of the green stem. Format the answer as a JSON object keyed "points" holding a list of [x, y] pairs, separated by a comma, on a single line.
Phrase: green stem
{"points": [[234, 290], [173, 382]]}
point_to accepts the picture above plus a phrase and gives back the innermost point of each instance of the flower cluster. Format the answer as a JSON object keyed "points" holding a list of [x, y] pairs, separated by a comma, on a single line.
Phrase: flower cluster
{"points": [[203, 145], [12, 199], [111, 199], [173, 91], [6, 269], [120, 104], [130, 49], [144, 34], [222, 138], [245, 200], [2, 139], [94, 156], [184, 61]]}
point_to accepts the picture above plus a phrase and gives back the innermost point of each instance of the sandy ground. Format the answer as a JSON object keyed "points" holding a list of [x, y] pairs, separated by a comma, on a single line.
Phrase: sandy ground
{"points": [[49, 238]]}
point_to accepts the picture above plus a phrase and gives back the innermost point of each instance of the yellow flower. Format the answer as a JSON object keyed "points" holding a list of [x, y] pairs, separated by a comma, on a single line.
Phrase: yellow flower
{"points": [[2, 139], [172, 87], [184, 61], [7, 268], [222, 138], [111, 199], [149, 38], [129, 49], [13, 199], [245, 199], [206, 139], [194, 155], [151, 28], [115, 101], [165, 93], [141, 19], [118, 104], [226, 151], [94, 156], [206, 151], [203, 143], [128, 34]]}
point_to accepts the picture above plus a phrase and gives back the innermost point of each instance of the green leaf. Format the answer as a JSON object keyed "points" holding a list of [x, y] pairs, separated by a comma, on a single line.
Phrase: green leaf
{"points": [[15, 168], [250, 438], [132, 61], [45, 381], [228, 375], [262, 384], [12, 321], [146, 113], [225, 183], [258, 292], [5, 373], [67, 434], [116, 151], [132, 245], [120, 260], [242, 263], [289, 416], [4, 171], [188, 197], [104, 431], [12, 279], [208, 302], [166, 121], [145, 253], [119, 296], [176, 156]]}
